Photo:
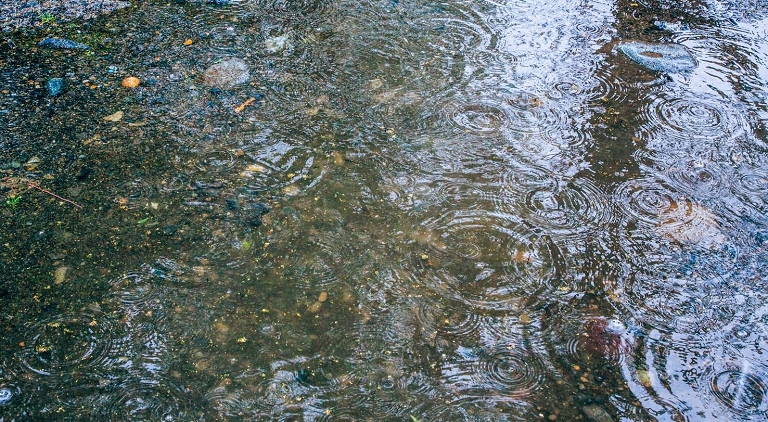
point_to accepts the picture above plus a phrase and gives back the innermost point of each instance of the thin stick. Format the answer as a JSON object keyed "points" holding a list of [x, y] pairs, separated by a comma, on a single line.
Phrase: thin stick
{"points": [[32, 185]]}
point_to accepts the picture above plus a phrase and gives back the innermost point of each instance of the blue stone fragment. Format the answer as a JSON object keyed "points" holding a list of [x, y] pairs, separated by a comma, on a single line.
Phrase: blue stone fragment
{"points": [[54, 86], [62, 43], [668, 58]]}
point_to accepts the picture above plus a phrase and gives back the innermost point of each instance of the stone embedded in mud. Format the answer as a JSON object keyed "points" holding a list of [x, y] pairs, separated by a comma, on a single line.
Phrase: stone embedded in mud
{"points": [[227, 74], [54, 86], [668, 58]]}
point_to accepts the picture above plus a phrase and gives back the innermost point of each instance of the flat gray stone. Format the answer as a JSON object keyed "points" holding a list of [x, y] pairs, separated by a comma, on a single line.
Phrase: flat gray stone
{"points": [[227, 74], [596, 414], [668, 58]]}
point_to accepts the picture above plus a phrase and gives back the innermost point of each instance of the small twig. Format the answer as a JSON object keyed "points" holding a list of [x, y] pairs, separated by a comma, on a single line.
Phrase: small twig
{"points": [[32, 185], [246, 103]]}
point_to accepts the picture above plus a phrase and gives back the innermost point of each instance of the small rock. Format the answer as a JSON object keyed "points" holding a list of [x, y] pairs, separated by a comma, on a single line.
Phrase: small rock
{"points": [[258, 211], [315, 307], [670, 26], [130, 82], [277, 44], [60, 275], [114, 117], [62, 44], [227, 74], [54, 86], [668, 58], [596, 414]]}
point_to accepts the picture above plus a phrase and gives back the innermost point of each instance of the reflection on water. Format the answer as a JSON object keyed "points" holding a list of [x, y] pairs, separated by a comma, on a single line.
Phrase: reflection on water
{"points": [[411, 211]]}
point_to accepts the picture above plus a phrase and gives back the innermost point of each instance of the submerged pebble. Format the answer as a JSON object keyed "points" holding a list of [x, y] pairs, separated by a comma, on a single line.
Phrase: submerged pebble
{"points": [[277, 44], [257, 211], [62, 43], [54, 86], [227, 74], [130, 82], [596, 414], [668, 58]]}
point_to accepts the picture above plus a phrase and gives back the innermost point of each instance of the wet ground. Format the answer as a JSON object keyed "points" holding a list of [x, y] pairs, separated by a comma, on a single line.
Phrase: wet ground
{"points": [[386, 210]]}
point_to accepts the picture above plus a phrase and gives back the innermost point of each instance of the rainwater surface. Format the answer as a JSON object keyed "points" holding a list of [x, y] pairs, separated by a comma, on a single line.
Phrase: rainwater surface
{"points": [[408, 211]]}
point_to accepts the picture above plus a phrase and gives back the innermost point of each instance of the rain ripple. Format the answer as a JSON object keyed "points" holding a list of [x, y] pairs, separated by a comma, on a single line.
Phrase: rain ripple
{"points": [[8, 394], [511, 369], [692, 126], [492, 261], [651, 203], [563, 208], [479, 118], [143, 401], [751, 186], [741, 390], [569, 210], [73, 343], [453, 319], [281, 163], [699, 178]]}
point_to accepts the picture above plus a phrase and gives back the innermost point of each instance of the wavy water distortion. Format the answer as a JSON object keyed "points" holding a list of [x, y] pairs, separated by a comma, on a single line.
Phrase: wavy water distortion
{"points": [[385, 210]]}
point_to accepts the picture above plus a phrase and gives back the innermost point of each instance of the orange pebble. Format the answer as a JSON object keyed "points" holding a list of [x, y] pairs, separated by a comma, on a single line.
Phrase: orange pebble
{"points": [[130, 82], [188, 41]]}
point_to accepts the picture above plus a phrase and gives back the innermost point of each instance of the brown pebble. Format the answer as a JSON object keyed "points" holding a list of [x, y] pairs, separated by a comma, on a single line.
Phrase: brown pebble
{"points": [[323, 297], [130, 82], [60, 275], [552, 417], [315, 307]]}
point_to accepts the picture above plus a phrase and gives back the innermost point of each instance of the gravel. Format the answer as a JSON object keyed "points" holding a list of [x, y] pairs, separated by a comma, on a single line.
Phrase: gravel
{"points": [[15, 14]]}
